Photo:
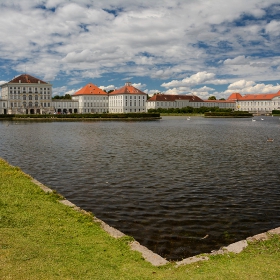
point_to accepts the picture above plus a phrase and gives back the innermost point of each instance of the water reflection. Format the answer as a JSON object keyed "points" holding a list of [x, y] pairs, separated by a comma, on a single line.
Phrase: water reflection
{"points": [[167, 183]]}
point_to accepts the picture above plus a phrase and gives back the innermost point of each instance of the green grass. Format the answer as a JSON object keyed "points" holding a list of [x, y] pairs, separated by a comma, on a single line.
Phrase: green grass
{"points": [[182, 114], [41, 238]]}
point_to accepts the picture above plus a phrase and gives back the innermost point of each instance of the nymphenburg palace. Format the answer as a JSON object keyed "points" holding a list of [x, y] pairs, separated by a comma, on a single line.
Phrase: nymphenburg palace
{"points": [[29, 95]]}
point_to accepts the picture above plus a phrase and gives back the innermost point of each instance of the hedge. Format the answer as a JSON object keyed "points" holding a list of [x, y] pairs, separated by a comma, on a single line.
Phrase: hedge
{"points": [[83, 116], [228, 114]]}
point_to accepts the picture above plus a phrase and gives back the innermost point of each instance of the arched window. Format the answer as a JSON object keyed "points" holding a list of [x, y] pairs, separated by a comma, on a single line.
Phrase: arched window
{"points": [[30, 97], [30, 104]]}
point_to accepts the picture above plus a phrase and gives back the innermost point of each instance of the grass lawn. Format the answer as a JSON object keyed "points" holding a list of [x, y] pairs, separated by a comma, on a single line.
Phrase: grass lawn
{"points": [[41, 238]]}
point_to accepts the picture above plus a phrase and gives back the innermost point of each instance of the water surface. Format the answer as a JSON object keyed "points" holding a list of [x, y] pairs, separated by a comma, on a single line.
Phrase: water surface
{"points": [[167, 183]]}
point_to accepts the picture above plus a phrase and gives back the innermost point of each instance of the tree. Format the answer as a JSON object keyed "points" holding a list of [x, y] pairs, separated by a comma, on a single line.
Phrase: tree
{"points": [[67, 96], [212, 98]]}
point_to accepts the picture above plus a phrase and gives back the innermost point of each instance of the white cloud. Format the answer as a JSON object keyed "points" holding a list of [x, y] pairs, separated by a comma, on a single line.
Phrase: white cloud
{"points": [[151, 91], [160, 39], [72, 91], [61, 91], [196, 79], [241, 84], [203, 89], [259, 64], [250, 87], [273, 28], [139, 85], [178, 90], [173, 91], [3, 82], [239, 60], [107, 88]]}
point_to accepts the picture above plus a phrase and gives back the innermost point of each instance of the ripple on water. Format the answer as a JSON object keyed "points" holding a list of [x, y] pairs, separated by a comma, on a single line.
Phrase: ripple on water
{"points": [[180, 188]]}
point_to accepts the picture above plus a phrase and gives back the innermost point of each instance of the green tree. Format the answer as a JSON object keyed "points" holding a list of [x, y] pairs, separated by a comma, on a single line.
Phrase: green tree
{"points": [[212, 97], [67, 96]]}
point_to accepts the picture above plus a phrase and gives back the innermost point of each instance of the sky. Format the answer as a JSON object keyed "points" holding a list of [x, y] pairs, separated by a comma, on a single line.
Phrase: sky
{"points": [[205, 48]]}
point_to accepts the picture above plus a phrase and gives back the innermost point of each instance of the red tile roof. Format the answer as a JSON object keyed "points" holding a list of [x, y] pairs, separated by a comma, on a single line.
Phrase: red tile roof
{"points": [[127, 89], [173, 97], [220, 101], [90, 89], [235, 96], [267, 96], [26, 79], [258, 96]]}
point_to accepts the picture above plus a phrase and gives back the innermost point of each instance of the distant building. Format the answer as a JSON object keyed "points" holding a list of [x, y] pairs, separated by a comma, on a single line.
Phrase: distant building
{"points": [[222, 104], [65, 106], [256, 103], [91, 99], [26, 94], [3, 106], [167, 101], [127, 99]]}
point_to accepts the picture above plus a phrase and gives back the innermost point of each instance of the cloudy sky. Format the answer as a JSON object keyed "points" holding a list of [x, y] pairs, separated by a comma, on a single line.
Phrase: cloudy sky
{"points": [[210, 47]]}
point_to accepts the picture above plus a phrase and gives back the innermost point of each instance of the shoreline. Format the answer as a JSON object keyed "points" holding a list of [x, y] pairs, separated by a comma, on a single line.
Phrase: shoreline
{"points": [[79, 119], [147, 254]]}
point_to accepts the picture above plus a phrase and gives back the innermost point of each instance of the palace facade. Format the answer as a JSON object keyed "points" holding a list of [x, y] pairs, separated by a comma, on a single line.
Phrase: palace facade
{"points": [[256, 103], [26, 94], [166, 101]]}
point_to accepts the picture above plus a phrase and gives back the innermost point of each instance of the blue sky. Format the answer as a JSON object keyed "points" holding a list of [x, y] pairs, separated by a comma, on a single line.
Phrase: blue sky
{"points": [[176, 47]]}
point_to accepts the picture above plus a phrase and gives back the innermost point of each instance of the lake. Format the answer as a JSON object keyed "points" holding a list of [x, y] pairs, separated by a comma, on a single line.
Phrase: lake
{"points": [[180, 187]]}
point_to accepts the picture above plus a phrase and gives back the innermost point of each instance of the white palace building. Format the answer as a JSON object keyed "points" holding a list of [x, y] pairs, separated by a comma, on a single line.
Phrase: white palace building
{"points": [[256, 103], [26, 94]]}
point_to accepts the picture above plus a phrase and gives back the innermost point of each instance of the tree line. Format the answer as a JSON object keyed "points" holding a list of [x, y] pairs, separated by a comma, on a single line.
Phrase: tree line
{"points": [[190, 110]]}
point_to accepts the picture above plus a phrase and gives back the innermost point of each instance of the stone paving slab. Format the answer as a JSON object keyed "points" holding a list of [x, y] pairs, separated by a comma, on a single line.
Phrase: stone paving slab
{"points": [[236, 247], [112, 231], [43, 187], [258, 237], [192, 260], [274, 231], [148, 255], [70, 204]]}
